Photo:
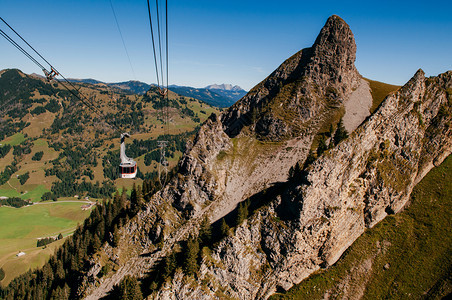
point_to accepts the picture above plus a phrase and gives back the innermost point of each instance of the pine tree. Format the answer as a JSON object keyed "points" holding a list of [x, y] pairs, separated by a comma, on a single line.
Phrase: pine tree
{"points": [[169, 266], [322, 146], [205, 231], [133, 196], [309, 159], [242, 213], [116, 236], [191, 256], [59, 271], [341, 133], [224, 228], [330, 132], [56, 294], [129, 289], [96, 242], [145, 187], [140, 199], [124, 197], [291, 172]]}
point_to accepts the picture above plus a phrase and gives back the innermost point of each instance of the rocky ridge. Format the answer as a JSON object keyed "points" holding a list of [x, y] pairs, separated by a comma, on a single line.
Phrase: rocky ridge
{"points": [[249, 150], [350, 188]]}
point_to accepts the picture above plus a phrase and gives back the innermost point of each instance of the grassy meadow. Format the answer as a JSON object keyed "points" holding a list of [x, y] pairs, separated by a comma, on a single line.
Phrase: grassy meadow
{"points": [[21, 227], [379, 91]]}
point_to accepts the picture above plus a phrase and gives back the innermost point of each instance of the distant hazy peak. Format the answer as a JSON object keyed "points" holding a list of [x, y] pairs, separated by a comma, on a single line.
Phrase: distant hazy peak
{"points": [[225, 87]]}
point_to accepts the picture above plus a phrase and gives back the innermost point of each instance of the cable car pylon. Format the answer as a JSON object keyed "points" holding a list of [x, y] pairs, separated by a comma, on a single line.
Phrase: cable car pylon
{"points": [[163, 143], [163, 165]]}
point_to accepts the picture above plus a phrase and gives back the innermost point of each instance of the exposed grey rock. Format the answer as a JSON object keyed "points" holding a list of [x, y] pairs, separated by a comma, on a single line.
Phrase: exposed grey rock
{"points": [[307, 223], [349, 188], [297, 92], [357, 107]]}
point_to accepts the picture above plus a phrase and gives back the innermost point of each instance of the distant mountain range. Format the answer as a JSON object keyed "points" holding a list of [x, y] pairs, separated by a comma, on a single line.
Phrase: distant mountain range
{"points": [[225, 87], [131, 86], [219, 95], [216, 95]]}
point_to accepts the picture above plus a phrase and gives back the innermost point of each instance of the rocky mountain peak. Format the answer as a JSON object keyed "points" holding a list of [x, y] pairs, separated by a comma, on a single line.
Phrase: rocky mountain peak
{"points": [[334, 54], [300, 221], [303, 86], [336, 34]]}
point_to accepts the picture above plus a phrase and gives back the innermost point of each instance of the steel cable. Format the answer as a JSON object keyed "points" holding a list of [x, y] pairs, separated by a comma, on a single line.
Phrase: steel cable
{"points": [[85, 100]]}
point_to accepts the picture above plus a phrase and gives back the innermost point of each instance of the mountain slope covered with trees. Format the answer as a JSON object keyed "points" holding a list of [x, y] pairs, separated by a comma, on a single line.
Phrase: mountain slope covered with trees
{"points": [[53, 147]]}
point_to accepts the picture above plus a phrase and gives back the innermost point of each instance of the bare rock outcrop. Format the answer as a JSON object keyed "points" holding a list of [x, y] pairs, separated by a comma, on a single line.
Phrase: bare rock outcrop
{"points": [[291, 100], [349, 188], [301, 223]]}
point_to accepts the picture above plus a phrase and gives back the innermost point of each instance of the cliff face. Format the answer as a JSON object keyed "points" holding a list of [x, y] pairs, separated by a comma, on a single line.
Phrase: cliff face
{"points": [[351, 187], [303, 223], [254, 143]]}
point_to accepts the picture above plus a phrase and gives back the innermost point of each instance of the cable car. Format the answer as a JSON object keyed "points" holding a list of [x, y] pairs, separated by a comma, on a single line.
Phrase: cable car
{"points": [[128, 167]]}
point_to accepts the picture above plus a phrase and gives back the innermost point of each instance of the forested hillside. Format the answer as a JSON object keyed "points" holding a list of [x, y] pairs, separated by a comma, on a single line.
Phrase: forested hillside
{"points": [[55, 149], [47, 132]]}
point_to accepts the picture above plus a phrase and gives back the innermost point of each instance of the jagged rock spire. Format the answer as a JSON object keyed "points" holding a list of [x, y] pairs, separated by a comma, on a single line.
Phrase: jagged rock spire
{"points": [[324, 72], [334, 55]]}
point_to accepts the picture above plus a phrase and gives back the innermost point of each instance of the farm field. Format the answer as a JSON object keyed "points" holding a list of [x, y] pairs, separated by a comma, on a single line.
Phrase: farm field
{"points": [[21, 227]]}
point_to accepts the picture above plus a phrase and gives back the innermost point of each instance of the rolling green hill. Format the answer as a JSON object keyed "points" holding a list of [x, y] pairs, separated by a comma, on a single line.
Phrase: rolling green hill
{"points": [[22, 227]]}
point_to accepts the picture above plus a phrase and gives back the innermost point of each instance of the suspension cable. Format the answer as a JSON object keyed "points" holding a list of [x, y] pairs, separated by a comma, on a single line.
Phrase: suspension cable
{"points": [[162, 86], [157, 45], [122, 39], [166, 31], [153, 44], [25, 41], [167, 68], [82, 97], [29, 56], [160, 39], [9, 39]]}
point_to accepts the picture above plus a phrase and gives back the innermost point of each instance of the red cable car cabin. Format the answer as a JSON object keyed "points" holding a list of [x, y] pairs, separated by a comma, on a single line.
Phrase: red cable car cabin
{"points": [[128, 167], [128, 170]]}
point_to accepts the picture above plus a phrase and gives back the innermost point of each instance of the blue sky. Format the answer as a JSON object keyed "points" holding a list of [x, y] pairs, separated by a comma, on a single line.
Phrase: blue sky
{"points": [[237, 42]]}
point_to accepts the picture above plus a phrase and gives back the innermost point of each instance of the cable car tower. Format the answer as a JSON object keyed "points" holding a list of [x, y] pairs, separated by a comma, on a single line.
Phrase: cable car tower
{"points": [[163, 165]]}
